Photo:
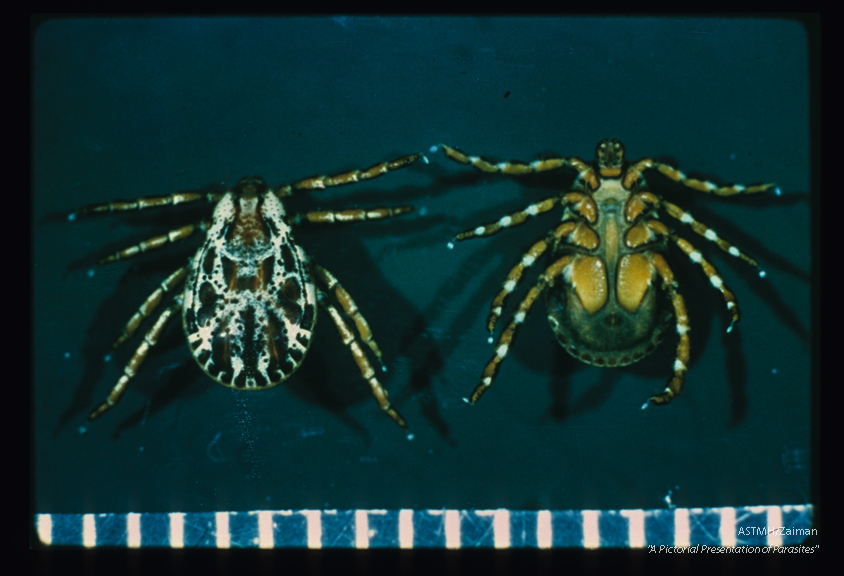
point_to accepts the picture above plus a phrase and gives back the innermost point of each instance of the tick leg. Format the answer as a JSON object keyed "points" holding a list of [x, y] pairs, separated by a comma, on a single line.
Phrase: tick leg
{"points": [[157, 242], [681, 361], [634, 173], [516, 274], [134, 364], [711, 272], [502, 347], [356, 215], [350, 177], [518, 168], [348, 338], [151, 303], [330, 284], [676, 212], [582, 205], [149, 202], [515, 167], [514, 219]]}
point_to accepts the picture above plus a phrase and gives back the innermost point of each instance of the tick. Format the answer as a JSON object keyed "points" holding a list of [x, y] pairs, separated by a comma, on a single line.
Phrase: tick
{"points": [[610, 293]]}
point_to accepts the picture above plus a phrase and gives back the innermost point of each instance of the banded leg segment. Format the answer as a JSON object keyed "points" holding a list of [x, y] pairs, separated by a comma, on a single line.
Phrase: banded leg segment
{"points": [[355, 215], [634, 172], [514, 219], [515, 167], [330, 284], [131, 369], [151, 303], [711, 272], [507, 337], [156, 242], [184, 197], [514, 277], [681, 360], [366, 370], [350, 177], [702, 230], [582, 204]]}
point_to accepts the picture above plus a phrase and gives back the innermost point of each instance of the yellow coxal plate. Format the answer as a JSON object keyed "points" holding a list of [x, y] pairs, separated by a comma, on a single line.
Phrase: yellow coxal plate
{"points": [[634, 279], [588, 277], [584, 237]]}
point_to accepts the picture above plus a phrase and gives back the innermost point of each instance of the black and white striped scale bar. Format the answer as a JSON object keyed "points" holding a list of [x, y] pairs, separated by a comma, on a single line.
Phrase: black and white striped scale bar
{"points": [[449, 529]]}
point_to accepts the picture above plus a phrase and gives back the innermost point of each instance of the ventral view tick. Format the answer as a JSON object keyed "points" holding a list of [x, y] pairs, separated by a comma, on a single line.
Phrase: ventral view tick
{"points": [[248, 298], [610, 293]]}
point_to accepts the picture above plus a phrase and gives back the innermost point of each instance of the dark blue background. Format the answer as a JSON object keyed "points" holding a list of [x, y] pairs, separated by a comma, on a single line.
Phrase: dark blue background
{"points": [[125, 108]]}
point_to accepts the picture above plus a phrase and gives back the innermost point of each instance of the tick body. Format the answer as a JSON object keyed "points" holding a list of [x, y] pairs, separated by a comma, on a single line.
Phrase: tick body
{"points": [[610, 293], [249, 297]]}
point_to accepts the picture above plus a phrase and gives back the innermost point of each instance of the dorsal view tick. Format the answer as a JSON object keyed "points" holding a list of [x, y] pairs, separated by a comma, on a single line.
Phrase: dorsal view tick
{"points": [[249, 296], [609, 291]]}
